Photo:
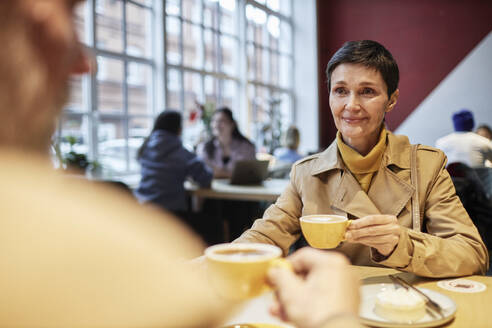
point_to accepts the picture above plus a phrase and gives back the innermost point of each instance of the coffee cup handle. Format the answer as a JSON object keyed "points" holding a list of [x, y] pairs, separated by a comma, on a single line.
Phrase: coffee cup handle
{"points": [[347, 225]]}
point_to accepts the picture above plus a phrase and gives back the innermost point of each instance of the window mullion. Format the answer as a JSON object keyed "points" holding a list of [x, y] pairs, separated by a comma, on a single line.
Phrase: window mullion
{"points": [[91, 91], [181, 52], [125, 85]]}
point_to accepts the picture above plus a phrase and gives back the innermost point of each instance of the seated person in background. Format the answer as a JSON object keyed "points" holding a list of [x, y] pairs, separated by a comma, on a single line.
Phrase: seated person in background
{"points": [[166, 164], [484, 131], [366, 175], [463, 145], [99, 258], [221, 152], [288, 153], [226, 146]]}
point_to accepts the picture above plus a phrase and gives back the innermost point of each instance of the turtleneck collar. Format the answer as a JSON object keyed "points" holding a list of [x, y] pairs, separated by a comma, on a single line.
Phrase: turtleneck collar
{"points": [[359, 164]]}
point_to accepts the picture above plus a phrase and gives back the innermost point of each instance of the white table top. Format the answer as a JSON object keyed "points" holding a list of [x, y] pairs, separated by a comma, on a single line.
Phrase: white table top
{"points": [[256, 311], [221, 189]]}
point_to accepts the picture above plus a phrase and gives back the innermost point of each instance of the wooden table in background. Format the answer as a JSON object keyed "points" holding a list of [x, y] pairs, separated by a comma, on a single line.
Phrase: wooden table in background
{"points": [[222, 189]]}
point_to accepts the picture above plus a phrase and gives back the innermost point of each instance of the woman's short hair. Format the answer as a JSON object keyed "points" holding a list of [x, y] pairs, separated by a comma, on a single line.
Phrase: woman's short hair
{"points": [[170, 121], [370, 54]]}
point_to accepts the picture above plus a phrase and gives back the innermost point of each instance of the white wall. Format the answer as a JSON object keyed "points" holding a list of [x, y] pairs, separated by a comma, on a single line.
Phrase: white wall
{"points": [[306, 73], [469, 86]]}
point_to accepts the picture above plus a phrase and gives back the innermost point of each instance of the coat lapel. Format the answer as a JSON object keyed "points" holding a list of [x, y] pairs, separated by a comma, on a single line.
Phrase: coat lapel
{"points": [[352, 199], [389, 192]]}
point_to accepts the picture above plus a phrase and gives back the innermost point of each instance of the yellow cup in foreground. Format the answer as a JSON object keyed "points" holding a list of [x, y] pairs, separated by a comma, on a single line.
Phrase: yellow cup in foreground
{"points": [[238, 271], [324, 230]]}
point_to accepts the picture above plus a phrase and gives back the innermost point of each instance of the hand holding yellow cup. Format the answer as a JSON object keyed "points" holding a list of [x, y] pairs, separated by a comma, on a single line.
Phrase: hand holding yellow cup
{"points": [[324, 230], [239, 271]]}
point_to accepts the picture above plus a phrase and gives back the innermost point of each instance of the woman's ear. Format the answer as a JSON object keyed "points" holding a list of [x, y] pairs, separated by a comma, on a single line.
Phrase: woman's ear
{"points": [[393, 100]]}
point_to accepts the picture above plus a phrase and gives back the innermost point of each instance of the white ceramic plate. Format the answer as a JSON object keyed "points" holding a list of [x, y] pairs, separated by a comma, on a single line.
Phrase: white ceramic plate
{"points": [[368, 300], [255, 312]]}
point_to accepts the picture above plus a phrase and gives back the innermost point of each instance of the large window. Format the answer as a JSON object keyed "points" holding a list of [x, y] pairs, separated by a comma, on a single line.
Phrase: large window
{"points": [[202, 66], [270, 61], [235, 53]]}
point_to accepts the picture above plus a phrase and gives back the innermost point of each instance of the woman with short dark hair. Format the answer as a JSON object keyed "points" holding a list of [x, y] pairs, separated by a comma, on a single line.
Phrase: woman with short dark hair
{"points": [[404, 207]]}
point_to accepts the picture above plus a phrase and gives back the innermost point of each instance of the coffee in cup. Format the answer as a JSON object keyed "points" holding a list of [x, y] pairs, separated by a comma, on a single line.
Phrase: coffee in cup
{"points": [[238, 271], [324, 230]]}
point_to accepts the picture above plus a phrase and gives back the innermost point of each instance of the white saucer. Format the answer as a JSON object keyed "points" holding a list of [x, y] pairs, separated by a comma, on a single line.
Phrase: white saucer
{"points": [[368, 317]]}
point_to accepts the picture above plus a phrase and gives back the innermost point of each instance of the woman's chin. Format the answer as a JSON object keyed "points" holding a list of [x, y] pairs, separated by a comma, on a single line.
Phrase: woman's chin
{"points": [[353, 131]]}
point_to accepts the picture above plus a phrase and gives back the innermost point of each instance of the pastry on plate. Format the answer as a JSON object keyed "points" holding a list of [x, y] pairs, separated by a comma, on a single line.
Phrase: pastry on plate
{"points": [[399, 305]]}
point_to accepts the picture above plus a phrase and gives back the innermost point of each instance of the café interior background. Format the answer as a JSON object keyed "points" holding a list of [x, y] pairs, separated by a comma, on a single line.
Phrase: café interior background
{"points": [[266, 60]]}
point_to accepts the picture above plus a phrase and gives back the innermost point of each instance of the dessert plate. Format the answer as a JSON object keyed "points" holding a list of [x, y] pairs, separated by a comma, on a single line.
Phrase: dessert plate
{"points": [[368, 300]]}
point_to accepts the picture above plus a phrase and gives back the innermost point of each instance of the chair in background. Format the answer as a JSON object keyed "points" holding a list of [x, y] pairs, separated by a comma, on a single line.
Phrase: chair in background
{"points": [[485, 176], [470, 189]]}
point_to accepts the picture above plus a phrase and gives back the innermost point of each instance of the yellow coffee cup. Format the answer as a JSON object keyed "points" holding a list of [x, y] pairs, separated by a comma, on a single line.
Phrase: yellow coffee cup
{"points": [[324, 230], [239, 271]]}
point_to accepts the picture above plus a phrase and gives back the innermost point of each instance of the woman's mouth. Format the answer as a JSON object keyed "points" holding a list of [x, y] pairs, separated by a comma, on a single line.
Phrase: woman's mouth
{"points": [[353, 120]]}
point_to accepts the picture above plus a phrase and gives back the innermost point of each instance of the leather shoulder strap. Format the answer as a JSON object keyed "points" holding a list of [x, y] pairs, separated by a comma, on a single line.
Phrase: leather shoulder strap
{"points": [[415, 183]]}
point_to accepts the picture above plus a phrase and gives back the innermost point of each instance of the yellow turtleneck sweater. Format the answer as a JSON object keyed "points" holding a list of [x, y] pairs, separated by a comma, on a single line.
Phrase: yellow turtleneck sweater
{"points": [[363, 167]]}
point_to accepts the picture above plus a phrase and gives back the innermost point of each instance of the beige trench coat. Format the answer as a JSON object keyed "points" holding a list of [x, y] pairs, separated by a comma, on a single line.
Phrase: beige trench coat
{"points": [[321, 184]]}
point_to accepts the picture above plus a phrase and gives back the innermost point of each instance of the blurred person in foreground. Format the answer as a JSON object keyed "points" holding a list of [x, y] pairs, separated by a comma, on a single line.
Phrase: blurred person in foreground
{"points": [[324, 292], [365, 175], [166, 164], [226, 146], [74, 253], [463, 145]]}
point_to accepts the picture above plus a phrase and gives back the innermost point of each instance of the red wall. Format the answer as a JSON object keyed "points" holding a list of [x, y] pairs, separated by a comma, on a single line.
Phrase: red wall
{"points": [[427, 38]]}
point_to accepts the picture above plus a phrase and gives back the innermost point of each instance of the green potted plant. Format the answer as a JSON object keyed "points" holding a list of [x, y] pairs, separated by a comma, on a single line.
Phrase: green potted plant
{"points": [[74, 161]]}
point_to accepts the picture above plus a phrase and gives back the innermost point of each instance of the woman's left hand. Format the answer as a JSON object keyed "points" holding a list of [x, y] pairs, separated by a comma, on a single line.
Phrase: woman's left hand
{"points": [[381, 232]]}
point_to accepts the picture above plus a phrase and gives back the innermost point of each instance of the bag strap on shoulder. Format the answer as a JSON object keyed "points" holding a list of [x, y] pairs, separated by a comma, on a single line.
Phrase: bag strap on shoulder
{"points": [[415, 183]]}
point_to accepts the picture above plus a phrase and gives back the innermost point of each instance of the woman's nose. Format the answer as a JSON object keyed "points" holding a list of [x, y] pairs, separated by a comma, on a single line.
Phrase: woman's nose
{"points": [[352, 102]]}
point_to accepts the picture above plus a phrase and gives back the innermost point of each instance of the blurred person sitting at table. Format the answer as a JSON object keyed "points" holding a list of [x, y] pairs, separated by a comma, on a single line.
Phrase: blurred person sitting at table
{"points": [[484, 131], [289, 153], [98, 258], [226, 146], [166, 164], [365, 174], [463, 145], [286, 156], [221, 152]]}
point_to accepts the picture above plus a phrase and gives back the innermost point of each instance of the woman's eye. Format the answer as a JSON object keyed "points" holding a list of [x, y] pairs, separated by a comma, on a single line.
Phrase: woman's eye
{"points": [[340, 91], [367, 91]]}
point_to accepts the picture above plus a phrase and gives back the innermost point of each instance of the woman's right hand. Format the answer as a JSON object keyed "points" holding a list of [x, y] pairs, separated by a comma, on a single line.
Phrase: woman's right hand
{"points": [[322, 288]]}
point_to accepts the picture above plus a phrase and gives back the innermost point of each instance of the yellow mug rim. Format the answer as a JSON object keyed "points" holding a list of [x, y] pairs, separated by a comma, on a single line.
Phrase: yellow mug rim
{"points": [[338, 218], [273, 252]]}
